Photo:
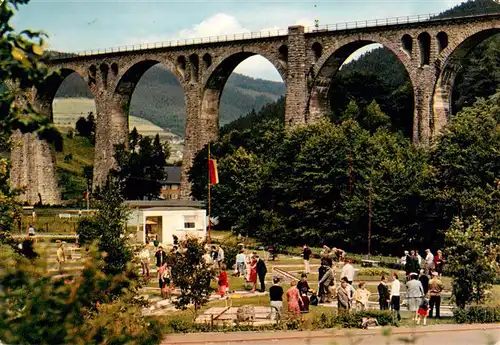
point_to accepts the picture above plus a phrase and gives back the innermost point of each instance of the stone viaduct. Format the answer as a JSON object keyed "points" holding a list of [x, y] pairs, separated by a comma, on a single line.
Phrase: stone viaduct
{"points": [[430, 50]]}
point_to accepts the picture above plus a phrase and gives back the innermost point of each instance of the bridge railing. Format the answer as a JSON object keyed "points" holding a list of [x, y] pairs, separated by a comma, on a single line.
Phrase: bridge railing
{"points": [[371, 23], [273, 33], [175, 43]]}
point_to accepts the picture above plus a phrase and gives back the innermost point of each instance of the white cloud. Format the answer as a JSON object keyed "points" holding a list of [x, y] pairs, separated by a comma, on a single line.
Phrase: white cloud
{"points": [[258, 67], [218, 25], [357, 54]]}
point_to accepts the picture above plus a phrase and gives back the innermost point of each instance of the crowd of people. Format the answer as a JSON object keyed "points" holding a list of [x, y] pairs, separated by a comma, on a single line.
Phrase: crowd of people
{"points": [[423, 284]]}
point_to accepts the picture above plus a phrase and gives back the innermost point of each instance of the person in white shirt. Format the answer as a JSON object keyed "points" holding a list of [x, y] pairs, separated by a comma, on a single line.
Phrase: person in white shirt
{"points": [[429, 262], [348, 272], [395, 295], [240, 263], [220, 256]]}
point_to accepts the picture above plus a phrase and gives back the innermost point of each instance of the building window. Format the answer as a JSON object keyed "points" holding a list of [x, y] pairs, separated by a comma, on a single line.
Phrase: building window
{"points": [[189, 222]]}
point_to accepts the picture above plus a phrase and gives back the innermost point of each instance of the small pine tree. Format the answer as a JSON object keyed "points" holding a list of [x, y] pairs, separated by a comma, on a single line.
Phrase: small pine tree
{"points": [[191, 274], [107, 227]]}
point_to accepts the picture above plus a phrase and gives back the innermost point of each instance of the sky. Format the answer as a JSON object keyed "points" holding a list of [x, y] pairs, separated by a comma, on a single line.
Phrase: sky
{"points": [[80, 25]]}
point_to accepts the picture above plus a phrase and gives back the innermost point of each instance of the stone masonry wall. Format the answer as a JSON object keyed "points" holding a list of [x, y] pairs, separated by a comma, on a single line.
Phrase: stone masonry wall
{"points": [[202, 70]]}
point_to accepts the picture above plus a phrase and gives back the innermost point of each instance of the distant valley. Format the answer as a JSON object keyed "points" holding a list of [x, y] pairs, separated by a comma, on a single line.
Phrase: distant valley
{"points": [[159, 98]]}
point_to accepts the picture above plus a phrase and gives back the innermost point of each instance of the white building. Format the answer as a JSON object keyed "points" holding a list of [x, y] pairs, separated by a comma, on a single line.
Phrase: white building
{"points": [[163, 220]]}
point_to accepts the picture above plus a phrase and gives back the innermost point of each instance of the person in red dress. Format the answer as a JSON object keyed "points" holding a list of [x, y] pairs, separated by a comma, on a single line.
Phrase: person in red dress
{"points": [[423, 311], [252, 278], [294, 299], [223, 282]]}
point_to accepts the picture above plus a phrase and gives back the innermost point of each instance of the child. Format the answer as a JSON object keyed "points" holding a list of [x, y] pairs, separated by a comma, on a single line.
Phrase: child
{"points": [[422, 312], [223, 282], [164, 282]]}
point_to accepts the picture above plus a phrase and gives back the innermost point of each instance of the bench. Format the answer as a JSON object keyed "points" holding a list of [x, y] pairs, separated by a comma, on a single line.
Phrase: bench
{"points": [[369, 263]]}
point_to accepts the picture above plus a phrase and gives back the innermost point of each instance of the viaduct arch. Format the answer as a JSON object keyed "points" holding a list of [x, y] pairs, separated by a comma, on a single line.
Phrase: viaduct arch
{"points": [[307, 59]]}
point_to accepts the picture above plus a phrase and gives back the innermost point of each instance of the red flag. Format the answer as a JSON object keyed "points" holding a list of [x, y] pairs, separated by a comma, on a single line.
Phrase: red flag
{"points": [[86, 196], [212, 171]]}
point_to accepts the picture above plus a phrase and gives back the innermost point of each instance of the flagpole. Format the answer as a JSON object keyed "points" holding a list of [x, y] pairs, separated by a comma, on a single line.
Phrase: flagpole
{"points": [[208, 204]]}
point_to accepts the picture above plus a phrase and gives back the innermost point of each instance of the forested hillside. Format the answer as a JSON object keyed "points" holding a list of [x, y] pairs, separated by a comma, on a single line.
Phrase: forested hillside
{"points": [[159, 98]]}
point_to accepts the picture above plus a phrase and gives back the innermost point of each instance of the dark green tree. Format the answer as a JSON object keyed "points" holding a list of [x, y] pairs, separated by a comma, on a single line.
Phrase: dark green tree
{"points": [[473, 257], [85, 127], [191, 274], [134, 138], [141, 171], [466, 168], [108, 227]]}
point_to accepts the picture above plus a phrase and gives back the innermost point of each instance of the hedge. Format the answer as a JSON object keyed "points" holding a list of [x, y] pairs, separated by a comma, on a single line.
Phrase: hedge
{"points": [[330, 320], [477, 314]]}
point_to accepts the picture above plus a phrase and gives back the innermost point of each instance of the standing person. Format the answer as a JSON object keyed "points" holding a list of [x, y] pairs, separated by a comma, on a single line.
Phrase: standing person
{"points": [[294, 300], [325, 252], [435, 289], [161, 257], [383, 294], [223, 281], [412, 264], [361, 296], [31, 230], [348, 272], [424, 279], [276, 298], [327, 280], [252, 276], [419, 259], [304, 289], [261, 272], [414, 294], [144, 257], [240, 263], [395, 295], [220, 256], [343, 297], [163, 280], [214, 254], [156, 243], [61, 256], [402, 261], [307, 256], [439, 262], [429, 262]]}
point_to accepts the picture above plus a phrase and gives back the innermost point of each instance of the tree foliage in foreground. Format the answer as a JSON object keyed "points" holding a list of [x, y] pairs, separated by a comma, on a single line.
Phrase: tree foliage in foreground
{"points": [[20, 52], [35, 308], [22, 68], [473, 261]]}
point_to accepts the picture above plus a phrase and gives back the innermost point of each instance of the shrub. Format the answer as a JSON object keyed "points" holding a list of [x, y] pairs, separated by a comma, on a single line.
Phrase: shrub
{"points": [[472, 260], [477, 314], [374, 271], [230, 247]]}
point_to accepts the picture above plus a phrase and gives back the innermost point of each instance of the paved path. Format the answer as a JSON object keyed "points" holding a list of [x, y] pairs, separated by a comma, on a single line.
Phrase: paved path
{"points": [[439, 334]]}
